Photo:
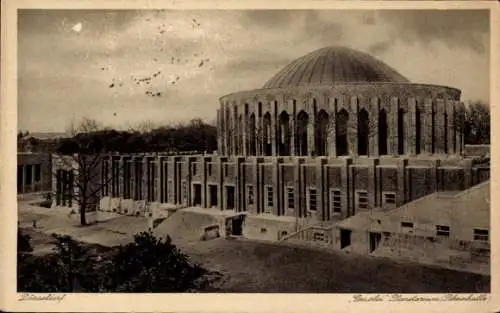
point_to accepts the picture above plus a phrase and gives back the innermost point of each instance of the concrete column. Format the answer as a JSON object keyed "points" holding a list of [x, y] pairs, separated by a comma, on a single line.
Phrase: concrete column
{"points": [[439, 126], [277, 187], [372, 183], [203, 169], [332, 129], [293, 130], [239, 189], [401, 194], [311, 129], [274, 137], [255, 208], [346, 192], [434, 175], [244, 135], [352, 127], [120, 186], [393, 127], [427, 125], [467, 166], [220, 182], [410, 128], [24, 188], [259, 130], [450, 110], [297, 188], [145, 182], [320, 190], [219, 137], [373, 148]]}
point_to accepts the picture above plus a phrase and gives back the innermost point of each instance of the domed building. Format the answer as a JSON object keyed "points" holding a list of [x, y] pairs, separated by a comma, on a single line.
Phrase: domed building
{"points": [[337, 101], [334, 135]]}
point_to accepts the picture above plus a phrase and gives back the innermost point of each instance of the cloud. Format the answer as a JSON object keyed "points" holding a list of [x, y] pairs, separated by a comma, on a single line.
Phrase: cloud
{"points": [[62, 71]]}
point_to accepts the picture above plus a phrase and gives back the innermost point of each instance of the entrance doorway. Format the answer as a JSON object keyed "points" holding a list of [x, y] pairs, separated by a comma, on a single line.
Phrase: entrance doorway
{"points": [[212, 190], [230, 198], [345, 238], [374, 241], [238, 225], [197, 194]]}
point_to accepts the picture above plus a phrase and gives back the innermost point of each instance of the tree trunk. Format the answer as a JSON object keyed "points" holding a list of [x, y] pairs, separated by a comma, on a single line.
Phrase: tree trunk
{"points": [[83, 220]]}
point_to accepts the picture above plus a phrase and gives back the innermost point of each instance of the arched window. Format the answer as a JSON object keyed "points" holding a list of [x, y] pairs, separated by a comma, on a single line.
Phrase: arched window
{"points": [[363, 132], [341, 132], [382, 132], [322, 133], [266, 136], [240, 135], [284, 133], [251, 134], [418, 131], [302, 123], [401, 131]]}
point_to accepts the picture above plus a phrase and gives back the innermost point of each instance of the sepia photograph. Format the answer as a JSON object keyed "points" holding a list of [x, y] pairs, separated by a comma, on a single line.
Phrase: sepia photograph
{"points": [[312, 151]]}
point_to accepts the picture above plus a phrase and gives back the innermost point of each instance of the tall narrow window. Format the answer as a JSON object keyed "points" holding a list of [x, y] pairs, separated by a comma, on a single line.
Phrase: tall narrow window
{"points": [[290, 198], [252, 128], [303, 122], [270, 195], [362, 200], [250, 195], [418, 131], [336, 201], [341, 132], [401, 131], [284, 134], [363, 132], [312, 199], [322, 133], [382, 132]]}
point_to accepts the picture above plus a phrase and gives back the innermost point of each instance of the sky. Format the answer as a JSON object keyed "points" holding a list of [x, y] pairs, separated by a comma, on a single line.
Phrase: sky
{"points": [[125, 68]]}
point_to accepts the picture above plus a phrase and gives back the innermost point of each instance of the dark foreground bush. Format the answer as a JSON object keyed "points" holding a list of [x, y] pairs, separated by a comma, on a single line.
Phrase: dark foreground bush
{"points": [[148, 264]]}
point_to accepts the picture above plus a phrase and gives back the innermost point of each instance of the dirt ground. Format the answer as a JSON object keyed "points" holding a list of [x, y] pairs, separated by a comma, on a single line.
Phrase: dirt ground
{"points": [[250, 266]]}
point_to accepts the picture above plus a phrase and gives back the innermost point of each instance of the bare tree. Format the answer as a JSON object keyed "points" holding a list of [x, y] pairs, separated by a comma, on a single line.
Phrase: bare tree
{"points": [[80, 157]]}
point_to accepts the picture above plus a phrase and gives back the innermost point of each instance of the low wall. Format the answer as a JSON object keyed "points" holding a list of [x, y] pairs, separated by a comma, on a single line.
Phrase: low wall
{"points": [[262, 228]]}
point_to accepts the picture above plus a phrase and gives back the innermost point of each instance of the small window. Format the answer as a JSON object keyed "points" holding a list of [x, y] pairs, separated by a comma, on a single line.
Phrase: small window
{"points": [[442, 231], [270, 196], [290, 198], [263, 230], [336, 201], [250, 194], [226, 169], [362, 200], [195, 168], [481, 234], [390, 198], [312, 199], [209, 169], [407, 224], [317, 236]]}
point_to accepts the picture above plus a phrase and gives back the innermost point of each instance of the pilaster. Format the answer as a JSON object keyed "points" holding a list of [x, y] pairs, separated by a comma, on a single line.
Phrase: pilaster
{"points": [[345, 173], [352, 127], [410, 128], [293, 131], [373, 148], [450, 110], [427, 126], [401, 194], [320, 190], [393, 127], [372, 183], [439, 126], [332, 129], [311, 129]]}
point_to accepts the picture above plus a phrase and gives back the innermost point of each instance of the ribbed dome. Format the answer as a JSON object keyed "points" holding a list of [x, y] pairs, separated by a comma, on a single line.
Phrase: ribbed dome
{"points": [[332, 65]]}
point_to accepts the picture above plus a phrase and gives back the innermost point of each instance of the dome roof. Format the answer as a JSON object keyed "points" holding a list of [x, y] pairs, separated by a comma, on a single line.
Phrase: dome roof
{"points": [[332, 65]]}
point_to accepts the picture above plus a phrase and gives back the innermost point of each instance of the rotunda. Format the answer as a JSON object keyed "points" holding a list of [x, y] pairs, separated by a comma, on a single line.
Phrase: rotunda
{"points": [[337, 101]]}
